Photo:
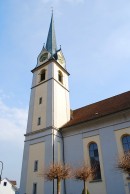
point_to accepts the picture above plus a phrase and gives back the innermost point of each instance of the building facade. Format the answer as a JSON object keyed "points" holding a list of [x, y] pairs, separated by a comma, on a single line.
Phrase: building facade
{"points": [[99, 132], [8, 187]]}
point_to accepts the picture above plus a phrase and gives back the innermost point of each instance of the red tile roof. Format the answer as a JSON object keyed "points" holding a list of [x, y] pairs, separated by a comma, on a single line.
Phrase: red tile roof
{"points": [[13, 182], [99, 109]]}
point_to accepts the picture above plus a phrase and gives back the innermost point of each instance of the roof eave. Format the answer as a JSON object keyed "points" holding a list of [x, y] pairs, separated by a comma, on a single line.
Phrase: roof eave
{"points": [[78, 123], [44, 64]]}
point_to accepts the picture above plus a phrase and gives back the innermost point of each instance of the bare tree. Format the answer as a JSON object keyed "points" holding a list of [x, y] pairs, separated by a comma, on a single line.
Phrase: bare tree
{"points": [[124, 163], [59, 172], [84, 173]]}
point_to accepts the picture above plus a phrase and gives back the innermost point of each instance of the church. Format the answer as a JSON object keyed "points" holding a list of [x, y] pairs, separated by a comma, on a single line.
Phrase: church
{"points": [[97, 132]]}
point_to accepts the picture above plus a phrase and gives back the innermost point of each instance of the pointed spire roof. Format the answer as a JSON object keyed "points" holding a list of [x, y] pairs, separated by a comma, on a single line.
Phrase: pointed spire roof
{"points": [[51, 39]]}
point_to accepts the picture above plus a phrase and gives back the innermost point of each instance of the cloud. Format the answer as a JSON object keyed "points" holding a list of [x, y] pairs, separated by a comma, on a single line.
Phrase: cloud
{"points": [[12, 123], [3, 95]]}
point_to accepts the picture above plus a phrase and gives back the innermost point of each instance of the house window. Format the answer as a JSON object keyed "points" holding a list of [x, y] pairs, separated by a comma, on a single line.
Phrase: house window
{"points": [[39, 121], [5, 183], [35, 165], [94, 159], [34, 188], [40, 100], [43, 75], [60, 76], [126, 143]]}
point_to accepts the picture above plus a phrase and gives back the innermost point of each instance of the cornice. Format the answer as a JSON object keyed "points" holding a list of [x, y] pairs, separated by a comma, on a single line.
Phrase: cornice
{"points": [[46, 63], [47, 81], [40, 131]]}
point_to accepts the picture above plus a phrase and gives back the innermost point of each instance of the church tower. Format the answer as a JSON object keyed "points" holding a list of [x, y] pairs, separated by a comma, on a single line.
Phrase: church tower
{"points": [[49, 110]]}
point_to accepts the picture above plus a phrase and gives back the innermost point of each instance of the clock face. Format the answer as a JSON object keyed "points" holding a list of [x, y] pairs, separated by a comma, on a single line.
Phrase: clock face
{"points": [[43, 57], [60, 59]]}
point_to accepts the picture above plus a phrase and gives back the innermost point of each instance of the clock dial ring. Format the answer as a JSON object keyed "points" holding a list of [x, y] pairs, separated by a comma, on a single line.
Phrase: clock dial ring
{"points": [[43, 57]]}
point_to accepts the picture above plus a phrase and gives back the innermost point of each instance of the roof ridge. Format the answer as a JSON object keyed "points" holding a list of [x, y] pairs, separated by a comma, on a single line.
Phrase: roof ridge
{"points": [[100, 109], [102, 100]]}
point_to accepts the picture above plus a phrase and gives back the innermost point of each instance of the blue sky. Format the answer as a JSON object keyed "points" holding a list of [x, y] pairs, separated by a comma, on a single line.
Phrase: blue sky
{"points": [[95, 40]]}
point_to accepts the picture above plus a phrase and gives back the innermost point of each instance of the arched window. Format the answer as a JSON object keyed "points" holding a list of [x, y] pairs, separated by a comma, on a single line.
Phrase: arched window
{"points": [[126, 143], [43, 75], [60, 76], [94, 159]]}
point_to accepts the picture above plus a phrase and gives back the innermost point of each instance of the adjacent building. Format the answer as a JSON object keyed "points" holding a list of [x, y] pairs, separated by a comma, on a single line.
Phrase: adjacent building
{"points": [[8, 187], [99, 132]]}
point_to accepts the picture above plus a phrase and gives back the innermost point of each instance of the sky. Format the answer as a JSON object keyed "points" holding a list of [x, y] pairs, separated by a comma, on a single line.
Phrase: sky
{"points": [[95, 38]]}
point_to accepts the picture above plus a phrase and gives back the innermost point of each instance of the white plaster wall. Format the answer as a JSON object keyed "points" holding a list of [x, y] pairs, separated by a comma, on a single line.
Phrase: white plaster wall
{"points": [[40, 109], [38, 72], [65, 75], [36, 152], [76, 153], [61, 98], [39, 89], [73, 146], [30, 112], [55, 107], [34, 79], [38, 146], [102, 131], [61, 105], [100, 186], [119, 133], [6, 189]]}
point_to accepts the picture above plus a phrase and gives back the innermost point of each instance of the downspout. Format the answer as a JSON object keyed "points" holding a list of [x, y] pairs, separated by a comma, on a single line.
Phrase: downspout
{"points": [[63, 158], [53, 120], [53, 157]]}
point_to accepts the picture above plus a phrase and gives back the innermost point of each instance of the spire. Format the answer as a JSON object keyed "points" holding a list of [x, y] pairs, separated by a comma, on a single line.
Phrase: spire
{"points": [[51, 39]]}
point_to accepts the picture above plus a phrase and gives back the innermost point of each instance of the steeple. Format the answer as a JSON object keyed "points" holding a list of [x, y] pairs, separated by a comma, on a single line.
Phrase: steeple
{"points": [[51, 39], [49, 109]]}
